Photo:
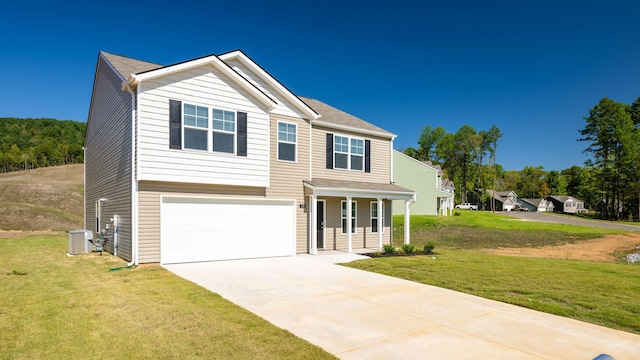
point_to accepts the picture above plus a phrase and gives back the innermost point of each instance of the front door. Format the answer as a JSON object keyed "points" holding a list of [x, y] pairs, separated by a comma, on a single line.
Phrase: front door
{"points": [[320, 224]]}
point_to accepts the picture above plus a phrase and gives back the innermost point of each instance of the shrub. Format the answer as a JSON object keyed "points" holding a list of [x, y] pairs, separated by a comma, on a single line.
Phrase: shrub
{"points": [[388, 249], [429, 246], [408, 249]]}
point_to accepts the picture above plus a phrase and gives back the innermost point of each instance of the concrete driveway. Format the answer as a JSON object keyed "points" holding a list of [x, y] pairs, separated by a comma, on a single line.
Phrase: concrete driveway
{"points": [[570, 220], [355, 314]]}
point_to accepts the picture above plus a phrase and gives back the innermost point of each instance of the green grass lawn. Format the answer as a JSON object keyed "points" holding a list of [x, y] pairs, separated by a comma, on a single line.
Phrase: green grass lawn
{"points": [[57, 307], [596, 292], [483, 229]]}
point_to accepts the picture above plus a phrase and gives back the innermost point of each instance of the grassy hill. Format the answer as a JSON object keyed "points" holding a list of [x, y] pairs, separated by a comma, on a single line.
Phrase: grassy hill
{"points": [[49, 198]]}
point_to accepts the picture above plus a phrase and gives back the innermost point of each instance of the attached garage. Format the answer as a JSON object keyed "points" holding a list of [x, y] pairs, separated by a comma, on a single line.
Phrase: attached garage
{"points": [[207, 229]]}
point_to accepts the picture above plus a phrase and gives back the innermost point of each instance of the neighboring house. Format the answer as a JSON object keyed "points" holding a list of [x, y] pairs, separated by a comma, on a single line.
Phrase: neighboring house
{"points": [[567, 204], [503, 200], [539, 205], [213, 158], [434, 193]]}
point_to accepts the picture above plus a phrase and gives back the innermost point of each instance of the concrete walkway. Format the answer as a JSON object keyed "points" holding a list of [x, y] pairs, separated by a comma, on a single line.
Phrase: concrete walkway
{"points": [[355, 314]]}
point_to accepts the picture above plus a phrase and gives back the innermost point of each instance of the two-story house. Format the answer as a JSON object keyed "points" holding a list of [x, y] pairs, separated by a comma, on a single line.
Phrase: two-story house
{"points": [[213, 158], [501, 200], [434, 193]]}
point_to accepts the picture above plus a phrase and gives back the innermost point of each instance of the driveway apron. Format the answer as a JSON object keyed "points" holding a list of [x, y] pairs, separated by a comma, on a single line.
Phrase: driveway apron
{"points": [[355, 314]]}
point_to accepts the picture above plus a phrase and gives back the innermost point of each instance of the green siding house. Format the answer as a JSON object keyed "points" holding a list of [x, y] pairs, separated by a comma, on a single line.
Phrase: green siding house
{"points": [[434, 193]]}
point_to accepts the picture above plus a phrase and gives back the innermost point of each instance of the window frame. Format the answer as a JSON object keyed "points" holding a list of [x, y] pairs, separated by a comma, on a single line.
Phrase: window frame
{"points": [[295, 143], [349, 153], [209, 129], [343, 217], [234, 133], [194, 127], [380, 219]]}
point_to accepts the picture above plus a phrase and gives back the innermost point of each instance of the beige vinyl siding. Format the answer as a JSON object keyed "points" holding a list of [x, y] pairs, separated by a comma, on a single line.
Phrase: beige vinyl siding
{"points": [[363, 238], [380, 158], [108, 158], [287, 177], [203, 86], [149, 209]]}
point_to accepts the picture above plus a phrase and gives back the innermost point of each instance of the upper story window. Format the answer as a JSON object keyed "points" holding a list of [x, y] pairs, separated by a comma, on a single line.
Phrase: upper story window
{"points": [[196, 127], [204, 128], [287, 141], [224, 130], [348, 153]]}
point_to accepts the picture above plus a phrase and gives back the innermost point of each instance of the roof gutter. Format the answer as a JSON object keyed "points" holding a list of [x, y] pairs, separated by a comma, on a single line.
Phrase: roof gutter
{"points": [[131, 83], [381, 134]]}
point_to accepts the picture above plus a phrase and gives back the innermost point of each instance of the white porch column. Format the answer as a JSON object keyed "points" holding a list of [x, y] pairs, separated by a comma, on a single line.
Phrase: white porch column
{"points": [[380, 223], [314, 225], [349, 246], [407, 221]]}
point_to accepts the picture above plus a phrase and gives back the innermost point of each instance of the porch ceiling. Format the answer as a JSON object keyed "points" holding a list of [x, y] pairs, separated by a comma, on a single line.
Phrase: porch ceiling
{"points": [[342, 188]]}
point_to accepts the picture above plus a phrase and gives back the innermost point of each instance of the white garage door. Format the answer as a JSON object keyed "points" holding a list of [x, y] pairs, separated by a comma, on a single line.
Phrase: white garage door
{"points": [[202, 229]]}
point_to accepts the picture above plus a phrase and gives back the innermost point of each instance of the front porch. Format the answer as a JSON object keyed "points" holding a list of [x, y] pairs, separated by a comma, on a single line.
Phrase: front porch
{"points": [[348, 215]]}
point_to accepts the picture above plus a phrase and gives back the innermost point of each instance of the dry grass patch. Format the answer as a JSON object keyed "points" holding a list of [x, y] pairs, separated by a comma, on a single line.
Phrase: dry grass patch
{"points": [[49, 198]]}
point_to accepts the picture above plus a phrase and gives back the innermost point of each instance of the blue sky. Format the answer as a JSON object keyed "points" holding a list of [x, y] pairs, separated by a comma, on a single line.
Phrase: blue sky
{"points": [[533, 69]]}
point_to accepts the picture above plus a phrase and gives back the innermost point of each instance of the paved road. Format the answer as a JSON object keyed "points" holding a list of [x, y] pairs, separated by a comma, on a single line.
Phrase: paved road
{"points": [[559, 219], [356, 314]]}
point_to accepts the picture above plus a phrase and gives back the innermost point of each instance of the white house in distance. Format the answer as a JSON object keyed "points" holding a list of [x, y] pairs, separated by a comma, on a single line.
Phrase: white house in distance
{"points": [[434, 192], [567, 204], [536, 205]]}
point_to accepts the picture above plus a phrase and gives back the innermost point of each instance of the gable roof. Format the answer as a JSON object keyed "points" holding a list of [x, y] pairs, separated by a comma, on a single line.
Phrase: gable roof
{"points": [[563, 198], [133, 71], [135, 78], [534, 202], [241, 57], [448, 184]]}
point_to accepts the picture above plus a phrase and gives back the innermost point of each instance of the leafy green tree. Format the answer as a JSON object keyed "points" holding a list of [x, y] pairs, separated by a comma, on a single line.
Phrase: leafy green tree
{"points": [[556, 182], [428, 140], [635, 112], [413, 152], [30, 143], [609, 132], [530, 182]]}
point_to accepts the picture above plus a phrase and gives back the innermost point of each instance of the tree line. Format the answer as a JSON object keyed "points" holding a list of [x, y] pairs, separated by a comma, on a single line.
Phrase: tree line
{"points": [[33, 143], [608, 183]]}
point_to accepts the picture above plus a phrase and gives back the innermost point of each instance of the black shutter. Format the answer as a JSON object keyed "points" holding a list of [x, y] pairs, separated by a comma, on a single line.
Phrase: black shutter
{"points": [[242, 134], [175, 124], [329, 151], [367, 156]]}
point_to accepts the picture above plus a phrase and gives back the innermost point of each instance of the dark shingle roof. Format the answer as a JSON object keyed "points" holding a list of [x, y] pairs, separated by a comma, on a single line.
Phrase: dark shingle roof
{"points": [[535, 202], [338, 117], [127, 66]]}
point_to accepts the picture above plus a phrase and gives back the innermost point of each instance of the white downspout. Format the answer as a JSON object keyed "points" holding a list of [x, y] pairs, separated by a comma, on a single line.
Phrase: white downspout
{"points": [[134, 183], [380, 222], [407, 219], [349, 229]]}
